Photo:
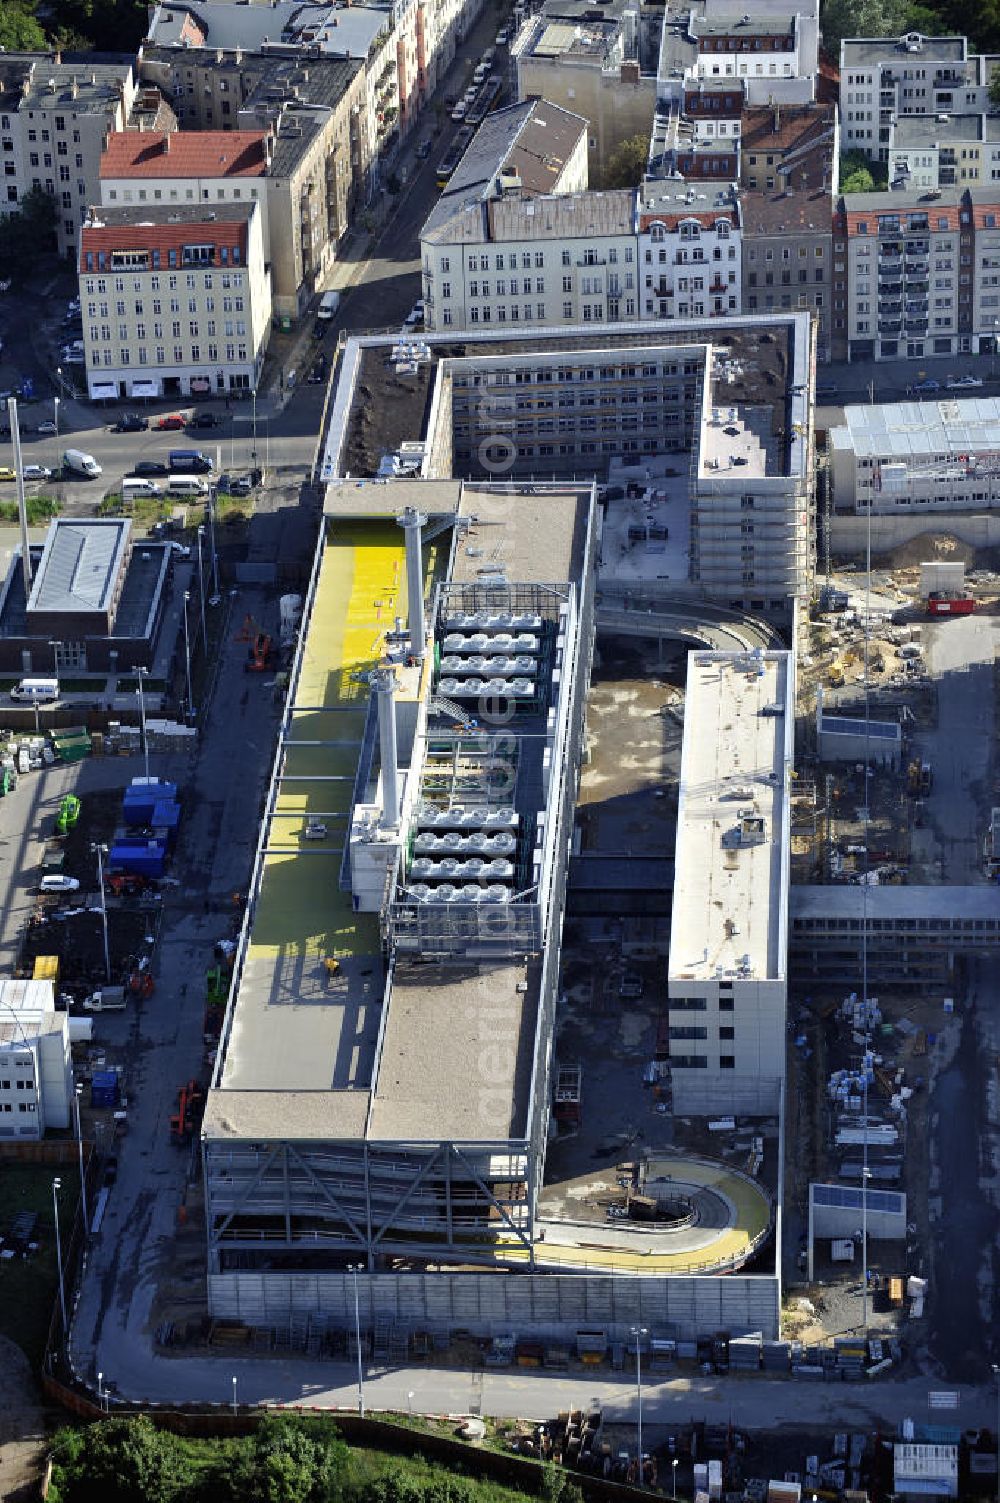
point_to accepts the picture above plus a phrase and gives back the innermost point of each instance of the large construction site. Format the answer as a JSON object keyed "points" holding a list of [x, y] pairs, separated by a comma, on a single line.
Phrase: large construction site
{"points": [[387, 1086]]}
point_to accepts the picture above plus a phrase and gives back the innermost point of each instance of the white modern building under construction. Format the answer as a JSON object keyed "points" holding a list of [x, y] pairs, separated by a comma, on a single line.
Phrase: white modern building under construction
{"points": [[941, 454], [727, 979], [379, 1120]]}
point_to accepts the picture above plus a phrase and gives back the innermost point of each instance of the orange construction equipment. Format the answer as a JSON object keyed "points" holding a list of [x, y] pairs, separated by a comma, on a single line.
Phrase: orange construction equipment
{"points": [[190, 1104], [259, 654]]}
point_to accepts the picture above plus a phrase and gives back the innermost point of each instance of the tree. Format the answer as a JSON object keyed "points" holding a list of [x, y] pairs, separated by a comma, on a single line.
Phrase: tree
{"points": [[285, 1463], [858, 180], [628, 163], [26, 234], [127, 1461], [19, 30]]}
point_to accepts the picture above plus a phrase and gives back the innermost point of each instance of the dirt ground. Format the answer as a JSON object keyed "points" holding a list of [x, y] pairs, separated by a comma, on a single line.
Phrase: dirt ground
{"points": [[22, 1425]]}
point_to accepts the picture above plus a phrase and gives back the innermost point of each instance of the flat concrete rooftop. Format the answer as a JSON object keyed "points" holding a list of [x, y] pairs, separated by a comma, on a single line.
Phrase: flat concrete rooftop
{"points": [[535, 534], [457, 1055], [728, 868]]}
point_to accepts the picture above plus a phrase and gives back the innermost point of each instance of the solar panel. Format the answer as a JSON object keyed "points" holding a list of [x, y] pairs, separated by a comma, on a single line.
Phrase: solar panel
{"points": [[845, 1198]]}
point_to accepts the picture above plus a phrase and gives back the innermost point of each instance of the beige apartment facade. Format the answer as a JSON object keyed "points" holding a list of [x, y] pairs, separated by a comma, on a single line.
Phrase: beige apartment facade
{"points": [[175, 306]]}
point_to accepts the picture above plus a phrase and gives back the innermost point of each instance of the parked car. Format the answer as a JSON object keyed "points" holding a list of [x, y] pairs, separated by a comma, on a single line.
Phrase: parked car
{"points": [[6, 473], [415, 315], [170, 422], [131, 422], [205, 420], [58, 882], [424, 151], [501, 37], [48, 428], [241, 486], [149, 467], [36, 472], [925, 386], [458, 113], [180, 550], [963, 383]]}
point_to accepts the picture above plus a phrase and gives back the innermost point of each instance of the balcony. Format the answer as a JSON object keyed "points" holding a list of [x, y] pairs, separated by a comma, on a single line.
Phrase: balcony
{"points": [[916, 326], [917, 289], [915, 268], [889, 289], [892, 262], [918, 247], [946, 79], [890, 326], [917, 309]]}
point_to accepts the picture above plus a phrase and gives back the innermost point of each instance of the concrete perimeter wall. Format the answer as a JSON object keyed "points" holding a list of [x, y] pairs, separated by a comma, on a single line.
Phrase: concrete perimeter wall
{"points": [[850, 534], [543, 1305]]}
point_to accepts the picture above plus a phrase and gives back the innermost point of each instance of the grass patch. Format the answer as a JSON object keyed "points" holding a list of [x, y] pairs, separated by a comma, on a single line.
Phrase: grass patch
{"points": [[284, 1458], [39, 509], [29, 1286]]}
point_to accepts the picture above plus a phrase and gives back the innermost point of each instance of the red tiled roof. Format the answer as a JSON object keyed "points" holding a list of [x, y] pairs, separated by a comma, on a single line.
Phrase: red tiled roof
{"points": [[184, 153], [707, 218], [163, 237]]}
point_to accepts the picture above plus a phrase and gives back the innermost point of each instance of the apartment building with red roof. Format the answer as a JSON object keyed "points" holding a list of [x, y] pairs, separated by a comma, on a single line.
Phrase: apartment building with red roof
{"points": [[175, 305]]}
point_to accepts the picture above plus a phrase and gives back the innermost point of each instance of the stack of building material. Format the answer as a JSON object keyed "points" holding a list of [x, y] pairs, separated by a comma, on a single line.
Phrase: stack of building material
{"points": [[745, 1352]]}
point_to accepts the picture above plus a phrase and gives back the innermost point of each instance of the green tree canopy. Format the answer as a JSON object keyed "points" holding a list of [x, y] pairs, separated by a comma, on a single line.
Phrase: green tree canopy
{"points": [[27, 232], [286, 1464], [128, 1461], [19, 29], [628, 163]]}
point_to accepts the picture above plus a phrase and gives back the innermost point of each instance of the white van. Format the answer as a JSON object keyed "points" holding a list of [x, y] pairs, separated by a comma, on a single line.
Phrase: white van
{"points": [[81, 464], [329, 303], [187, 485], [36, 691], [138, 486]]}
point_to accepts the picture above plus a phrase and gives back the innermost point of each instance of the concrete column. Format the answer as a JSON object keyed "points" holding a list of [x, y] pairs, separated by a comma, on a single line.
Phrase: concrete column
{"points": [[412, 523], [383, 683]]}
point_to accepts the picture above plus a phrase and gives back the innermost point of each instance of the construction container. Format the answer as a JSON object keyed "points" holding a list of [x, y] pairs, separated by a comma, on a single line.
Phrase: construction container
{"points": [[105, 1089], [46, 968], [146, 858]]}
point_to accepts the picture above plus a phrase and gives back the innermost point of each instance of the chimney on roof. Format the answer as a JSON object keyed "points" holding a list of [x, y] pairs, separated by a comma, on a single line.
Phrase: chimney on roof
{"points": [[166, 141], [57, 57], [74, 87], [777, 119], [219, 54], [629, 71]]}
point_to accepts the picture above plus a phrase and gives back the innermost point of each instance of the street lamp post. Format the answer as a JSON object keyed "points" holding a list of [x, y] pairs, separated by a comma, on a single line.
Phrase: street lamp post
{"points": [[866, 1175], [79, 1143], [357, 1337], [142, 720], [639, 1332], [201, 592], [673, 1470], [236, 1407], [55, 414], [996, 1374], [253, 451], [100, 852], [211, 540], [409, 1401], [187, 652], [56, 1187], [100, 1392]]}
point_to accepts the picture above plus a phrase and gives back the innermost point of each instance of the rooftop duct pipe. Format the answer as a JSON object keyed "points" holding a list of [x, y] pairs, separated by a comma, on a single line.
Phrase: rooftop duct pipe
{"points": [[412, 522], [383, 683]]}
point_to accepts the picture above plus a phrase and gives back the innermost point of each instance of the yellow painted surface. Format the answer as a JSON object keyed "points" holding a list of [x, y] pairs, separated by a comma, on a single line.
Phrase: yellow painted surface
{"points": [[301, 909]]}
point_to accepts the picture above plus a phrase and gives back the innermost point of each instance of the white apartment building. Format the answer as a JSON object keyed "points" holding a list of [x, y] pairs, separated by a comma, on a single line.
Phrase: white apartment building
{"points": [[899, 288], [916, 458], [36, 1073], [554, 259], [771, 49], [689, 250], [944, 151], [885, 78], [160, 168], [175, 305], [727, 977], [53, 120], [581, 258]]}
